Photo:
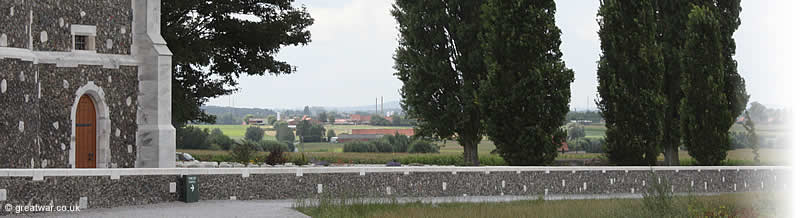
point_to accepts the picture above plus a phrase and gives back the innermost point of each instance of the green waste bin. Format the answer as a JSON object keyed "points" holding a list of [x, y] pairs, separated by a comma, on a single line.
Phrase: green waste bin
{"points": [[191, 189]]}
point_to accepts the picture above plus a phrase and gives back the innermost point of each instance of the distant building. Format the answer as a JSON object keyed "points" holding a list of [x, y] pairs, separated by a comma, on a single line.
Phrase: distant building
{"points": [[407, 132], [343, 122], [344, 138], [294, 121], [564, 147], [360, 119], [257, 121]]}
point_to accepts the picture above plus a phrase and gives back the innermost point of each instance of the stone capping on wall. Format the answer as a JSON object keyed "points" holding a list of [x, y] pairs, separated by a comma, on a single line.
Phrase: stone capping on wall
{"points": [[69, 59], [39, 174]]}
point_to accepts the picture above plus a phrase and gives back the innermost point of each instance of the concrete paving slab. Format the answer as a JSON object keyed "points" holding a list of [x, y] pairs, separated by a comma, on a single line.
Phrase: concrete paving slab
{"points": [[216, 208]]}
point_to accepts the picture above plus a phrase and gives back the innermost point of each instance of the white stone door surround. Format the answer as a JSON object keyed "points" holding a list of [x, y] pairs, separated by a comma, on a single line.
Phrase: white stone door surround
{"points": [[103, 124]]}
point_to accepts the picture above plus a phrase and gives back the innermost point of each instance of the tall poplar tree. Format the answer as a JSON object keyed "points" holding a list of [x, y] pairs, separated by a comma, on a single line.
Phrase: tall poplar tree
{"points": [[727, 12], [440, 62], [672, 16], [630, 75], [527, 92], [705, 110]]}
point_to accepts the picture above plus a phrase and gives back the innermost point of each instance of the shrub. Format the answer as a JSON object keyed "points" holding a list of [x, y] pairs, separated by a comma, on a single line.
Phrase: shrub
{"points": [[243, 151], [381, 145], [283, 133], [422, 146], [575, 132], [219, 139], [190, 137], [268, 145], [291, 146], [299, 160], [276, 155], [331, 134], [311, 132], [359, 146], [657, 197], [254, 133], [399, 142], [595, 146]]}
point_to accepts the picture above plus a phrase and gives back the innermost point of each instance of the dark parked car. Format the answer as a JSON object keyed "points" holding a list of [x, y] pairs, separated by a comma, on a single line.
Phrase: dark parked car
{"points": [[180, 156]]}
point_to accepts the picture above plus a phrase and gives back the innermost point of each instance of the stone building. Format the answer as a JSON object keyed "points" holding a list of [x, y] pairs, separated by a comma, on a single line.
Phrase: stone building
{"points": [[84, 84]]}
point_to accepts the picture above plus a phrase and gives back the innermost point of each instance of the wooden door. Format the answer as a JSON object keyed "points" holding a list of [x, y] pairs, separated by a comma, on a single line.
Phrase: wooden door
{"points": [[86, 134]]}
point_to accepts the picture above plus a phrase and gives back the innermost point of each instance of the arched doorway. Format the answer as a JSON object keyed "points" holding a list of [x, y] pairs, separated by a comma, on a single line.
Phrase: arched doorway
{"points": [[86, 134], [91, 99]]}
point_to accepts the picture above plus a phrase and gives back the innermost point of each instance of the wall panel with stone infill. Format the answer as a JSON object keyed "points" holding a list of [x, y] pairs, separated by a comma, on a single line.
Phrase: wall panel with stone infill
{"points": [[145, 186], [52, 21], [36, 112], [14, 18]]}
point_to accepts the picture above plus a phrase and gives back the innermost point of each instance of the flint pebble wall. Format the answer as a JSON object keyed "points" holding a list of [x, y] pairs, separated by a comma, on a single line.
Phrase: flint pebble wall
{"points": [[122, 187]]}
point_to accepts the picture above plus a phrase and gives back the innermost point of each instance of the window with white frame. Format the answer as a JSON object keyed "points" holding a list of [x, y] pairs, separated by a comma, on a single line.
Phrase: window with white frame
{"points": [[83, 37]]}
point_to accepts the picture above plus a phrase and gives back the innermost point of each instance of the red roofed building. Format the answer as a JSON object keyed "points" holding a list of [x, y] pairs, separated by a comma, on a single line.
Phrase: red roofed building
{"points": [[360, 119], [564, 147], [407, 132]]}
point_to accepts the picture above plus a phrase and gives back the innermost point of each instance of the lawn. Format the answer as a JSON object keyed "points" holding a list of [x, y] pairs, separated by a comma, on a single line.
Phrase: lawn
{"points": [[236, 132], [724, 205], [595, 131]]}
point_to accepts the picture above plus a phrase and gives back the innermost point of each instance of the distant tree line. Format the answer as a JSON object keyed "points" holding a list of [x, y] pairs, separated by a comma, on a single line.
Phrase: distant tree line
{"points": [[593, 116], [393, 143]]}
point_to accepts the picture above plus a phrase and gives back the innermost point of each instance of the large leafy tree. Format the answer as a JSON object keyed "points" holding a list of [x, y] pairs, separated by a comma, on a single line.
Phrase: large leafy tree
{"points": [[440, 62], [630, 75], [705, 111], [215, 41], [527, 91]]}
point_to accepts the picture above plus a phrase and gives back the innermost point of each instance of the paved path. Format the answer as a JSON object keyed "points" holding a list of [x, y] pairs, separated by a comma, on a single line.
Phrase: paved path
{"points": [[221, 208]]}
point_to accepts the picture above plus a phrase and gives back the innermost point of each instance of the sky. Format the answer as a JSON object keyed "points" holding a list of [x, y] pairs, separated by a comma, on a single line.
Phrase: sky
{"points": [[349, 61]]}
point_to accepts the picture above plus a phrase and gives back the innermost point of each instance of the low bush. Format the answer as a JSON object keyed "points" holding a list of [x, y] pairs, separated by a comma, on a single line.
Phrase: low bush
{"points": [[392, 144], [243, 151], [220, 140], [190, 137], [595, 146], [276, 155], [423, 146], [359, 146], [399, 142], [254, 133], [657, 197], [382, 146], [268, 145]]}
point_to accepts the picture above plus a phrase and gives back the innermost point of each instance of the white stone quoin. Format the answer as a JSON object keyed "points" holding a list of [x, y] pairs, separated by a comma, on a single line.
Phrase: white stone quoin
{"points": [[155, 137]]}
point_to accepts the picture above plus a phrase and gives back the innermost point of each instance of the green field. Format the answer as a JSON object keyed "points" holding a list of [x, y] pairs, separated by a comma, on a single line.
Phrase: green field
{"points": [[599, 130], [723, 205], [236, 132], [768, 156], [595, 131]]}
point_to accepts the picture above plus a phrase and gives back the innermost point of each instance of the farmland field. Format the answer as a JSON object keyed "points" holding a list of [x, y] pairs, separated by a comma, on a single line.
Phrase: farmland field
{"points": [[768, 156], [598, 130], [236, 132]]}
